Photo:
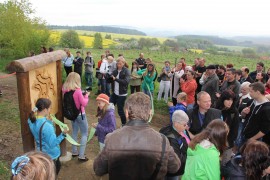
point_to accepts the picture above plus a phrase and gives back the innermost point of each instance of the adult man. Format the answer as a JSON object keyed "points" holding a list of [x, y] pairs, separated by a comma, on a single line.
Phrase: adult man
{"points": [[120, 77], [211, 83], [259, 69], [199, 71], [89, 65], [245, 76], [135, 150], [200, 116], [141, 61], [257, 115], [78, 62], [230, 83]]}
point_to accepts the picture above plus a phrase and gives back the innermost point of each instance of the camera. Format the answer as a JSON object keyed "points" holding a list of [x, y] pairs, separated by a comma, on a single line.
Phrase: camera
{"points": [[84, 91]]}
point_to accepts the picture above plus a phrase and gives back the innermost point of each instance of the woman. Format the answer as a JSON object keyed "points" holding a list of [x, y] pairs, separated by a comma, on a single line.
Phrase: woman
{"points": [[43, 131], [204, 152], [68, 61], [179, 140], [73, 83], [148, 78], [175, 75], [260, 77], [164, 85], [267, 87], [230, 114], [253, 164], [189, 86], [135, 80]]}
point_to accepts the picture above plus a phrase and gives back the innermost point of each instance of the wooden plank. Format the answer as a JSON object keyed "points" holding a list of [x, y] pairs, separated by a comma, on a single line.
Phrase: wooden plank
{"points": [[25, 108], [59, 114], [34, 62]]}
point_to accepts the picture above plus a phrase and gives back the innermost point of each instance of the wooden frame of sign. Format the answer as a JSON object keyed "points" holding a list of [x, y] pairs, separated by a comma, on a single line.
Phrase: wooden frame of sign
{"points": [[39, 77]]}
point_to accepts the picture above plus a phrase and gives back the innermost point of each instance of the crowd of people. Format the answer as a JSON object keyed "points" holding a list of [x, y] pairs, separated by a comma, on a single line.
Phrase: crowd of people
{"points": [[218, 119]]}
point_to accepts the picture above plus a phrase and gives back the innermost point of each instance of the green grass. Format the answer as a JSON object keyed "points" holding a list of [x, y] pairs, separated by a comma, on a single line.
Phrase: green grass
{"points": [[4, 171], [9, 111]]}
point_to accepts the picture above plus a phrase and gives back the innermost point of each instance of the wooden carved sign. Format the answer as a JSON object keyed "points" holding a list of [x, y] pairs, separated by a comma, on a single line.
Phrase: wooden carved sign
{"points": [[43, 82], [39, 77]]}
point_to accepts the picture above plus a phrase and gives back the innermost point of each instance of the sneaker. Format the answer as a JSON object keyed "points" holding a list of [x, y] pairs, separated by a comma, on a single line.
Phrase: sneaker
{"points": [[89, 88], [75, 155], [83, 160]]}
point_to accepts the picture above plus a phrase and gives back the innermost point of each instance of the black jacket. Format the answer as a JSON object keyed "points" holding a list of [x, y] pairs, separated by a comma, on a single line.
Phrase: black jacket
{"points": [[211, 86], [123, 80], [258, 120], [232, 170], [231, 117], [78, 65], [179, 145], [195, 125]]}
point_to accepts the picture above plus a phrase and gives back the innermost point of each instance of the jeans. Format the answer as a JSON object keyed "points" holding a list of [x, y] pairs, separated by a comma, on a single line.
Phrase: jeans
{"points": [[164, 86], [147, 92], [101, 146], [171, 178], [120, 102], [133, 88], [105, 87], [89, 78], [81, 124]]}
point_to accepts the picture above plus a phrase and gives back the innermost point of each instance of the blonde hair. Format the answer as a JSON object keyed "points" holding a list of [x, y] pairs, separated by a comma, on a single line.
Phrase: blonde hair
{"points": [[138, 106], [122, 59], [39, 167], [182, 96], [73, 81]]}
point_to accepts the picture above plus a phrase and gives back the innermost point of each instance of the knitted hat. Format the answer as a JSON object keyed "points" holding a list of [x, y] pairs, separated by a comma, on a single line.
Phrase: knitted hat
{"points": [[104, 98]]}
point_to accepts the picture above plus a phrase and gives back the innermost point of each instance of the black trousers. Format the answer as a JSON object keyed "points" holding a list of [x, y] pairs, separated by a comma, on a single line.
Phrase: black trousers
{"points": [[57, 164], [133, 88], [68, 69]]}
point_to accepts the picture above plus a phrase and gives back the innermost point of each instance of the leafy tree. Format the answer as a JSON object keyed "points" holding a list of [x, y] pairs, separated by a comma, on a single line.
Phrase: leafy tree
{"points": [[108, 36], [97, 44], [70, 39], [20, 31]]}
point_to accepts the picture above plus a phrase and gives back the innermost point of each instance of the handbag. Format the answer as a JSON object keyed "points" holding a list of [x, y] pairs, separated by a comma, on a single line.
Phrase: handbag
{"points": [[158, 79]]}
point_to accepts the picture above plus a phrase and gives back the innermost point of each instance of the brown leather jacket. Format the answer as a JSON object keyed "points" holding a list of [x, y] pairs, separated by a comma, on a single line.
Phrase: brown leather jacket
{"points": [[132, 153]]}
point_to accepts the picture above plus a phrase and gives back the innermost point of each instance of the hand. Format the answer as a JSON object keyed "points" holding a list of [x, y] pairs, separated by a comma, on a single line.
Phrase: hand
{"points": [[170, 104], [65, 131], [94, 125], [246, 110], [182, 80], [87, 93], [112, 77]]}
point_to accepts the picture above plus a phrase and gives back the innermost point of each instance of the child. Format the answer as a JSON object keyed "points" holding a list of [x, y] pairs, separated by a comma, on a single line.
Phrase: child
{"points": [[106, 119], [135, 80], [165, 82], [43, 131], [33, 165], [181, 104]]}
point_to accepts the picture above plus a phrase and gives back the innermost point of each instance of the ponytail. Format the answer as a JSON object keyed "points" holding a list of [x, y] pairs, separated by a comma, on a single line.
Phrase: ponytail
{"points": [[41, 104]]}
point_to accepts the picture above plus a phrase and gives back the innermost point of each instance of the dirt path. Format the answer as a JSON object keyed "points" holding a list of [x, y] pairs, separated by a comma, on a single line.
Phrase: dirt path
{"points": [[11, 143]]}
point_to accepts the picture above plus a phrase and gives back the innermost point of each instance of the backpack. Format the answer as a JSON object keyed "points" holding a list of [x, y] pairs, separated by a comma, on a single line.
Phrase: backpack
{"points": [[70, 110]]}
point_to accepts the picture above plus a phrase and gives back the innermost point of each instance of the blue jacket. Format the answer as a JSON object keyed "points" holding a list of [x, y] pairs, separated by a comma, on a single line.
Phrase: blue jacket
{"points": [[107, 124], [178, 106], [50, 143]]}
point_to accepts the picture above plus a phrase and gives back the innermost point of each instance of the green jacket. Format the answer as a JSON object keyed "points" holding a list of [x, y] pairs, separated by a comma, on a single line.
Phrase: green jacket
{"points": [[202, 164], [147, 80]]}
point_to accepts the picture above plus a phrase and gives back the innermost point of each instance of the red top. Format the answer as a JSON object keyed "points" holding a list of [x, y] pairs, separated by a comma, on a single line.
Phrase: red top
{"points": [[189, 87], [99, 63]]}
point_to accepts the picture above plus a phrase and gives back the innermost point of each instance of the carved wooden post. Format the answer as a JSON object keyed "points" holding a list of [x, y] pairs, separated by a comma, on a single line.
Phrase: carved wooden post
{"points": [[39, 77]]}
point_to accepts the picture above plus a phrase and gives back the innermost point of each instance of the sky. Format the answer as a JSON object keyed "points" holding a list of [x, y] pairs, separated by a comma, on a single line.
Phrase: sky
{"points": [[216, 17]]}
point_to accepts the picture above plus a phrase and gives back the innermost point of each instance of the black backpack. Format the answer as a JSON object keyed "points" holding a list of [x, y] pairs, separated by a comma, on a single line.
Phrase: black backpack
{"points": [[70, 110]]}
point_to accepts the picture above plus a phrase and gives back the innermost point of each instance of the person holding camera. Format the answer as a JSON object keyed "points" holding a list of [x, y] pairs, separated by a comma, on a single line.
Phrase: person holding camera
{"points": [[189, 86], [120, 78]]}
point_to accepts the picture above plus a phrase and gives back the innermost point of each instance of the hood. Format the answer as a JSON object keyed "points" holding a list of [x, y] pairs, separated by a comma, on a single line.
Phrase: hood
{"points": [[110, 107], [200, 148], [234, 167]]}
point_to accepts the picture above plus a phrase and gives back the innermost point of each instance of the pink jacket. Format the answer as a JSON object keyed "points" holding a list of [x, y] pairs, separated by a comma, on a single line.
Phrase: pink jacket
{"points": [[79, 99]]}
